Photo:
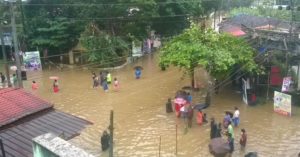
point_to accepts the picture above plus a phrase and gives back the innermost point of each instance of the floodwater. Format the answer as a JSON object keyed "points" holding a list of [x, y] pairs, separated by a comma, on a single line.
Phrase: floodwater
{"points": [[140, 120]]}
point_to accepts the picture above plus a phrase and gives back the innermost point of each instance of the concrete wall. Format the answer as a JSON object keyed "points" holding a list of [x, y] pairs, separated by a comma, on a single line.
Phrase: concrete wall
{"points": [[49, 145]]}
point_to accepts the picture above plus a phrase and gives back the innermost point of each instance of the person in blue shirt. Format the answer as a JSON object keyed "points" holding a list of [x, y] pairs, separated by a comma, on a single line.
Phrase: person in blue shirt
{"points": [[137, 73], [189, 97]]}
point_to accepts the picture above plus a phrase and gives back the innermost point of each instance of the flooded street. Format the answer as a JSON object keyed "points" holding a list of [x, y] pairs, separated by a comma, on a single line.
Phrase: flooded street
{"points": [[140, 117]]}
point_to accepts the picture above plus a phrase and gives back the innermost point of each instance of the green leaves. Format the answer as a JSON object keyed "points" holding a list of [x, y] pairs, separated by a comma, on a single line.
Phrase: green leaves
{"points": [[216, 52], [102, 47]]}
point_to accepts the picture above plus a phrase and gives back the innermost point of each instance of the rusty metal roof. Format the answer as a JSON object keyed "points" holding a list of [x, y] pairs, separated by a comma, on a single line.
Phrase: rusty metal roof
{"points": [[18, 103], [17, 137]]}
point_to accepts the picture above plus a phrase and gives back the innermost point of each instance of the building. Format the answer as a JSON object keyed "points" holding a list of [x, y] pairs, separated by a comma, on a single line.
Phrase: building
{"points": [[24, 116]]}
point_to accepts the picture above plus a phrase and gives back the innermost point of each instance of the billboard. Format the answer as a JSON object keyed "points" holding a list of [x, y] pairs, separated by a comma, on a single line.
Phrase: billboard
{"points": [[286, 84], [32, 60], [282, 103]]}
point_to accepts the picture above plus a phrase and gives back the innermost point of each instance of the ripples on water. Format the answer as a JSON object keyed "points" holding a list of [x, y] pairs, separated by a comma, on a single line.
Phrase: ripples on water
{"points": [[140, 117]]}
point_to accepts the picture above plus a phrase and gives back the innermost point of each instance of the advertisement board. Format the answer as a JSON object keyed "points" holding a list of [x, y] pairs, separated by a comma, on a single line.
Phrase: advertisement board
{"points": [[286, 84], [32, 60], [282, 103]]}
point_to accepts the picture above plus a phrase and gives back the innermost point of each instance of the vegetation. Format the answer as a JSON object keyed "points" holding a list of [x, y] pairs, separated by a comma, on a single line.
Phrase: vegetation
{"points": [[102, 47], [59, 25], [216, 52], [261, 11]]}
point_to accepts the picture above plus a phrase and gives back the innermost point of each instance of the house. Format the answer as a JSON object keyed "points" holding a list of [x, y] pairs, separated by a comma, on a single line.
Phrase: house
{"points": [[24, 116]]}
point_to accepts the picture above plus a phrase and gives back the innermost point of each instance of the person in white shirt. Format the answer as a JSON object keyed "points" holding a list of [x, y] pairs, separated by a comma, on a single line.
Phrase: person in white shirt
{"points": [[235, 118]]}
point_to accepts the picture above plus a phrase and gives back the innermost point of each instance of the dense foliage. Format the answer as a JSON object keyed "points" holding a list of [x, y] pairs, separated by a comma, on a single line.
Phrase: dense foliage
{"points": [[58, 24], [261, 11], [216, 52], [102, 47]]}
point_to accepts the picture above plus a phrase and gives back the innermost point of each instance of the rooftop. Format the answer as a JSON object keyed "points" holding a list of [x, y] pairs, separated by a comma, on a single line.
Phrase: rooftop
{"points": [[17, 137], [18, 103]]}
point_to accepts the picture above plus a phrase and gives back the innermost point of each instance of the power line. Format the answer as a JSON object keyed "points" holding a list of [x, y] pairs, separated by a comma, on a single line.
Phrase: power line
{"points": [[113, 18], [111, 4]]}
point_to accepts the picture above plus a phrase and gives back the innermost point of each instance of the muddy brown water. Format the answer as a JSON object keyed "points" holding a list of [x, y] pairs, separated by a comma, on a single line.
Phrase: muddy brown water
{"points": [[140, 117]]}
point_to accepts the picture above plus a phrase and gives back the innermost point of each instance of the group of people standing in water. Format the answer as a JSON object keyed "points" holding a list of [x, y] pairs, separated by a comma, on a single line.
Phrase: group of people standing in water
{"points": [[229, 118], [105, 79], [185, 110]]}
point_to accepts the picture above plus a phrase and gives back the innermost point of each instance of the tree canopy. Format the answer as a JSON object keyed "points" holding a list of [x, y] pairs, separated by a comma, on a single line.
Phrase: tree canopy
{"points": [[103, 48], [216, 52], [58, 24]]}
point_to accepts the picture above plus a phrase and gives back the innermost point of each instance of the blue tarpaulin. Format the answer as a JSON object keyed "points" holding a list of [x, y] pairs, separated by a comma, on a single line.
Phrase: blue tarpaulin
{"points": [[261, 49]]}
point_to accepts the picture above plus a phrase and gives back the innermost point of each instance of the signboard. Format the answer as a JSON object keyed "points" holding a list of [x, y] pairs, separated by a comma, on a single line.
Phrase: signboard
{"points": [[282, 103], [32, 60], [7, 39], [245, 99], [286, 84]]}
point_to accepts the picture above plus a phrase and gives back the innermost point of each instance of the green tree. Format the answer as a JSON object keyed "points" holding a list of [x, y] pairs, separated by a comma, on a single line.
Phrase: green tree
{"points": [[103, 48], [216, 52], [48, 25], [175, 15]]}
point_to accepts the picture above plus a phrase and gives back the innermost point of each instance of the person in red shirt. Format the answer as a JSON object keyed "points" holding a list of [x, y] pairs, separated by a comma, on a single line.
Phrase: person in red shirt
{"points": [[243, 139], [199, 117], [34, 85]]}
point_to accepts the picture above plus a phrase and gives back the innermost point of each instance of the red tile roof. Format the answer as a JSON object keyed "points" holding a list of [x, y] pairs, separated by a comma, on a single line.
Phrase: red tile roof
{"points": [[234, 30], [18, 103], [17, 137]]}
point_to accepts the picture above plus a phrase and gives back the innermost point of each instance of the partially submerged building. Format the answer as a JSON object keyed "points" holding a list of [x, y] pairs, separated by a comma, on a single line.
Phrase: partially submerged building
{"points": [[269, 36]]}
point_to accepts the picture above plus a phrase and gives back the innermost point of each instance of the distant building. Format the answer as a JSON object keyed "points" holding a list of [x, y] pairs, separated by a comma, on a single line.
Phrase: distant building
{"points": [[282, 2]]}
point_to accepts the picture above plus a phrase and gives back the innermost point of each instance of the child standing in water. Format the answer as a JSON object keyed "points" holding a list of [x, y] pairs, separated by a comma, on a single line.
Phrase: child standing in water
{"points": [[34, 85], [55, 86], [199, 117], [116, 84]]}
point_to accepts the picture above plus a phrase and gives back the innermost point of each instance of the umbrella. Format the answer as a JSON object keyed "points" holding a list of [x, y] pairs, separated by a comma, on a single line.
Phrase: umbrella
{"points": [[251, 154], [205, 105], [138, 67], [53, 77], [181, 94], [187, 88], [179, 101], [200, 106], [218, 147]]}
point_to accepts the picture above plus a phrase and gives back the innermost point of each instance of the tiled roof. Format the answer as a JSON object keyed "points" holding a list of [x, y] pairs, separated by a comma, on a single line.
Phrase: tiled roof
{"points": [[18, 103], [17, 137], [234, 30], [255, 21]]}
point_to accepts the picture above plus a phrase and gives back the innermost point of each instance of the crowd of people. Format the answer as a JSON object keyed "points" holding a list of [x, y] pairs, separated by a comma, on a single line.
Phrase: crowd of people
{"points": [[185, 110], [105, 79], [229, 118]]}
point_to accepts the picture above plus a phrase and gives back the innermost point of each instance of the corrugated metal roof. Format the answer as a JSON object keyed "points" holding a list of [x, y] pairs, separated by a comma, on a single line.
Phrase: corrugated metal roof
{"points": [[18, 103], [17, 137]]}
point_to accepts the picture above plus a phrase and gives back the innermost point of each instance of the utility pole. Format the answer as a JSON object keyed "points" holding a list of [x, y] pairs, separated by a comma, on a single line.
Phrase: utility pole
{"points": [[16, 48], [111, 128], [4, 57]]}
